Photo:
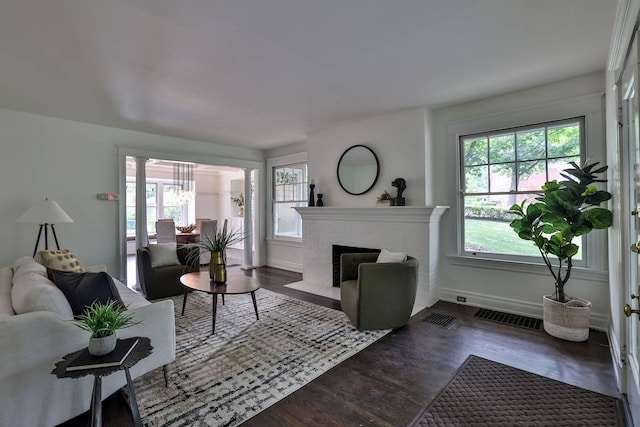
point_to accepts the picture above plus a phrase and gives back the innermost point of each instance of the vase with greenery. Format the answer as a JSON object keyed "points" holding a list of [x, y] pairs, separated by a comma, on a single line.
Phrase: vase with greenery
{"points": [[103, 320], [563, 211], [216, 243]]}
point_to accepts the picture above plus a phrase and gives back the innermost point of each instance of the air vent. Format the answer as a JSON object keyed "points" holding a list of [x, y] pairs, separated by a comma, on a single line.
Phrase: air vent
{"points": [[439, 320], [509, 319]]}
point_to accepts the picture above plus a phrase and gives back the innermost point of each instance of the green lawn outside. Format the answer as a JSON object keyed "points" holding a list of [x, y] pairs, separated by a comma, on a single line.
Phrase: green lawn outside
{"points": [[497, 237]]}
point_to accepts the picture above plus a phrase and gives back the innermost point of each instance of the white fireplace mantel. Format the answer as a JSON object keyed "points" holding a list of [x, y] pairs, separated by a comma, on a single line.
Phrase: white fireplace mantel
{"points": [[375, 214], [411, 229]]}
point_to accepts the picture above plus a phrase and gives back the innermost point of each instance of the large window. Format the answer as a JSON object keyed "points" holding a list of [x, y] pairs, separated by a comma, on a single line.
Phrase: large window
{"points": [[507, 166], [289, 191]]}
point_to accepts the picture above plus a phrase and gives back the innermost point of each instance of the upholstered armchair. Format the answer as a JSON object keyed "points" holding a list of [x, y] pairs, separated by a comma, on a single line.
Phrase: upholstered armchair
{"points": [[162, 279], [377, 295]]}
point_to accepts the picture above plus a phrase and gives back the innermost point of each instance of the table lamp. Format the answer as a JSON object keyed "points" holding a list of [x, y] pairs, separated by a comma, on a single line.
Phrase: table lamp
{"points": [[45, 213]]}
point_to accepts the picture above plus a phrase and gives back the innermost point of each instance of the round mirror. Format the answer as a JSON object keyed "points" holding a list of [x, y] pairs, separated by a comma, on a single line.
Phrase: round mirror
{"points": [[358, 170]]}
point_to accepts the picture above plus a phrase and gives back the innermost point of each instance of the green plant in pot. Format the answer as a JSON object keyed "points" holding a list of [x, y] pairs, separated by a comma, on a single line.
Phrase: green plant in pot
{"points": [[216, 243], [563, 211], [103, 320]]}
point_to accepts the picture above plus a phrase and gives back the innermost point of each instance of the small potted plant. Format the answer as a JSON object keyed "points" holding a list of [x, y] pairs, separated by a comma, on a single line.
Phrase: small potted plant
{"points": [[216, 243], [564, 210], [103, 320]]}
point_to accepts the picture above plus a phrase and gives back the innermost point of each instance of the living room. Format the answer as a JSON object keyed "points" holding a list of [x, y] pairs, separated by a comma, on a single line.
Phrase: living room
{"points": [[69, 156]]}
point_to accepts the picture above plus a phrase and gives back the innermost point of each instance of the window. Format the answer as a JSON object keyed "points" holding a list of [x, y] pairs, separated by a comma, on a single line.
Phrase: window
{"points": [[507, 166], [161, 203], [289, 191]]}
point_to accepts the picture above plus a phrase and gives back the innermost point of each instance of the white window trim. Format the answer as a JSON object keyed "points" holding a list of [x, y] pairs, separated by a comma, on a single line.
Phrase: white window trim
{"points": [[592, 108], [274, 162]]}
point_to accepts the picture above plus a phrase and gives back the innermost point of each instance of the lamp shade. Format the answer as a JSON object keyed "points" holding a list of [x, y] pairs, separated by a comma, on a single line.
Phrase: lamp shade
{"points": [[45, 212]]}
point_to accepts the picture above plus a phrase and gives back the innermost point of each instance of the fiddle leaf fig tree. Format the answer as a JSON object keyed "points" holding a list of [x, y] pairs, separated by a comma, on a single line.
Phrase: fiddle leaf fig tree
{"points": [[564, 210]]}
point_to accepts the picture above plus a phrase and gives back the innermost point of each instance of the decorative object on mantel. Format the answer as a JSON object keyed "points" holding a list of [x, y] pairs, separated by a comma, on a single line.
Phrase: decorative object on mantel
{"points": [[312, 197], [320, 202], [384, 199], [401, 185], [239, 201]]}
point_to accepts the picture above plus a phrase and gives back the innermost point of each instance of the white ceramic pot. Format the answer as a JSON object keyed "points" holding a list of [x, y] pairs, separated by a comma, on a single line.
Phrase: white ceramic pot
{"points": [[102, 346], [569, 320]]}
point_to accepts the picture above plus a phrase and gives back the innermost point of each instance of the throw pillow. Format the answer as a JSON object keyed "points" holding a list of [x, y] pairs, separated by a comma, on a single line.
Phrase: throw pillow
{"points": [[84, 288], [59, 260], [387, 256], [164, 254]]}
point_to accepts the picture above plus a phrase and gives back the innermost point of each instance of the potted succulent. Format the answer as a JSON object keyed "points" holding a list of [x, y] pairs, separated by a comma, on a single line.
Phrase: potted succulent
{"points": [[103, 320], [216, 243], [564, 210]]}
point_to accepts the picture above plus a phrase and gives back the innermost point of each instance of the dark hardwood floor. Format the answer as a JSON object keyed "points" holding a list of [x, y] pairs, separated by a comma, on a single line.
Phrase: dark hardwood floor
{"points": [[391, 381]]}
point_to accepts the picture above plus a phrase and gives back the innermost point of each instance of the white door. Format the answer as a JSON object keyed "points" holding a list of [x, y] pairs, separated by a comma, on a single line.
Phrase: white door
{"points": [[630, 161]]}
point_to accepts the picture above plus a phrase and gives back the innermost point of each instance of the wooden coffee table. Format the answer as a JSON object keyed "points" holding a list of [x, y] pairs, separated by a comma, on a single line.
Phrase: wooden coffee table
{"points": [[236, 284]]}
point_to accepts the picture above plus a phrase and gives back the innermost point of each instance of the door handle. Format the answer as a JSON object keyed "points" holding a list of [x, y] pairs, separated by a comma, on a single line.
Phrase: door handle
{"points": [[628, 311], [635, 247]]}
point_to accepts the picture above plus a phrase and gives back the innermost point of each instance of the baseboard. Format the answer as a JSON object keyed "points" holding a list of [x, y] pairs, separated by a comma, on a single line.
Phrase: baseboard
{"points": [[524, 308], [617, 358], [284, 265]]}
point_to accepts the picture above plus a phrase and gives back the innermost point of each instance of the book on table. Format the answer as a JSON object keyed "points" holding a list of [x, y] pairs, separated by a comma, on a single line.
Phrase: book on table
{"points": [[86, 360]]}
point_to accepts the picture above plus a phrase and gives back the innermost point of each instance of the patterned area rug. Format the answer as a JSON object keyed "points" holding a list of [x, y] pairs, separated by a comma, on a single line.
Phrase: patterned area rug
{"points": [[249, 364], [487, 393]]}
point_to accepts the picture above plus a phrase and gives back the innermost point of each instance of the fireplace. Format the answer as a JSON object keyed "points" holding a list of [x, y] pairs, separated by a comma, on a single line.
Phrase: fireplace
{"points": [[336, 251], [410, 229]]}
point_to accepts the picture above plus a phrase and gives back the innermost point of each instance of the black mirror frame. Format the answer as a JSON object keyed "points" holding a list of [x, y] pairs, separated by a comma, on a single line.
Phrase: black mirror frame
{"points": [[377, 169]]}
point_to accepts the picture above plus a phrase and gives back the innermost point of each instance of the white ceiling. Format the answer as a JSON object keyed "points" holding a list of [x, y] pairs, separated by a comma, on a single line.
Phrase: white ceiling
{"points": [[265, 73]]}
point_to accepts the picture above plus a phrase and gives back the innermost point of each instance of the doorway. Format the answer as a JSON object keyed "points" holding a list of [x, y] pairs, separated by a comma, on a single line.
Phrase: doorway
{"points": [[213, 198]]}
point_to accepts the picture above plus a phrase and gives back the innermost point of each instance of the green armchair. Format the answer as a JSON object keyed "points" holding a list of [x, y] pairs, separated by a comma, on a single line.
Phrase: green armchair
{"points": [[377, 295], [162, 282]]}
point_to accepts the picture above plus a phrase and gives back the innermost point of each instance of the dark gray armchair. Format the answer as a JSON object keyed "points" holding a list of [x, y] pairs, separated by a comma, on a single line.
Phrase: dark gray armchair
{"points": [[377, 295], [161, 282]]}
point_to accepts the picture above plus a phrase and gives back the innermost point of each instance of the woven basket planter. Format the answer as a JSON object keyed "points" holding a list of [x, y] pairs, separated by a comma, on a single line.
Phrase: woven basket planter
{"points": [[568, 321]]}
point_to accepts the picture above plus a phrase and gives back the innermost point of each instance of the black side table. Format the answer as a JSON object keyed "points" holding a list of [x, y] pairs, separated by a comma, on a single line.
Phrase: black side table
{"points": [[141, 350]]}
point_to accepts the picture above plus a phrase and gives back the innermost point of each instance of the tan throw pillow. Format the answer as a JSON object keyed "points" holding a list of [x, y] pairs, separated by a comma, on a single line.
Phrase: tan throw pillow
{"points": [[64, 260], [387, 256]]}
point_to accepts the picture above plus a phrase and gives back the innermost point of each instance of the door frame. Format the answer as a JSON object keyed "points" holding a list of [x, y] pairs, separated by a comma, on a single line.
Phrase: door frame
{"points": [[259, 223]]}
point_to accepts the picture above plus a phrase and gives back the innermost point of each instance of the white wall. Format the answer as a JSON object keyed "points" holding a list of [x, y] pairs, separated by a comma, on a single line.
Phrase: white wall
{"points": [[493, 285], [399, 143], [71, 162]]}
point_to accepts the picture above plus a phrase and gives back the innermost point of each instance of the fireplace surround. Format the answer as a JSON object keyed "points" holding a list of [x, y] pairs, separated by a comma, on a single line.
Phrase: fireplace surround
{"points": [[410, 229]]}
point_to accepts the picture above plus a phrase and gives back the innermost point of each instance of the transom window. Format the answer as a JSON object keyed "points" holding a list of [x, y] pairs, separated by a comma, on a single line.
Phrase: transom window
{"points": [[289, 191], [507, 166]]}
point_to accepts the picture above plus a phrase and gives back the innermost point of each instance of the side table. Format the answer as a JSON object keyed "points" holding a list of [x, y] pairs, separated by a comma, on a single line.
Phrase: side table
{"points": [[141, 350]]}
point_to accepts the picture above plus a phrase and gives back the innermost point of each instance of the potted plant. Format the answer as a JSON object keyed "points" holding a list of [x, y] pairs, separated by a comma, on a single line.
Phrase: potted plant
{"points": [[564, 210], [216, 243], [103, 320]]}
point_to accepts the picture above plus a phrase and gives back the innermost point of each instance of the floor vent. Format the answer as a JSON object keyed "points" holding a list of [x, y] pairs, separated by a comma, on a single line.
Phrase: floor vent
{"points": [[439, 320], [509, 319]]}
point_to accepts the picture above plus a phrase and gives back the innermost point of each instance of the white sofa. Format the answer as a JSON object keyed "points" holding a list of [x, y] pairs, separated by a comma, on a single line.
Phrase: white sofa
{"points": [[36, 332]]}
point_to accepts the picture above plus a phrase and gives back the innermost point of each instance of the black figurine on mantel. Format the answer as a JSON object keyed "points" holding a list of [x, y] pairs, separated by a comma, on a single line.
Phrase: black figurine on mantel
{"points": [[401, 185], [319, 202], [312, 197]]}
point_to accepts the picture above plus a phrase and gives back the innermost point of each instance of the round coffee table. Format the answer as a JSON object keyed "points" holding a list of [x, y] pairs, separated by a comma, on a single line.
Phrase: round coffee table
{"points": [[236, 284]]}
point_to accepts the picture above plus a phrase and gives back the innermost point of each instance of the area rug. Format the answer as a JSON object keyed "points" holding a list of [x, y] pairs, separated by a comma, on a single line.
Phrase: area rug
{"points": [[248, 364], [487, 393]]}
